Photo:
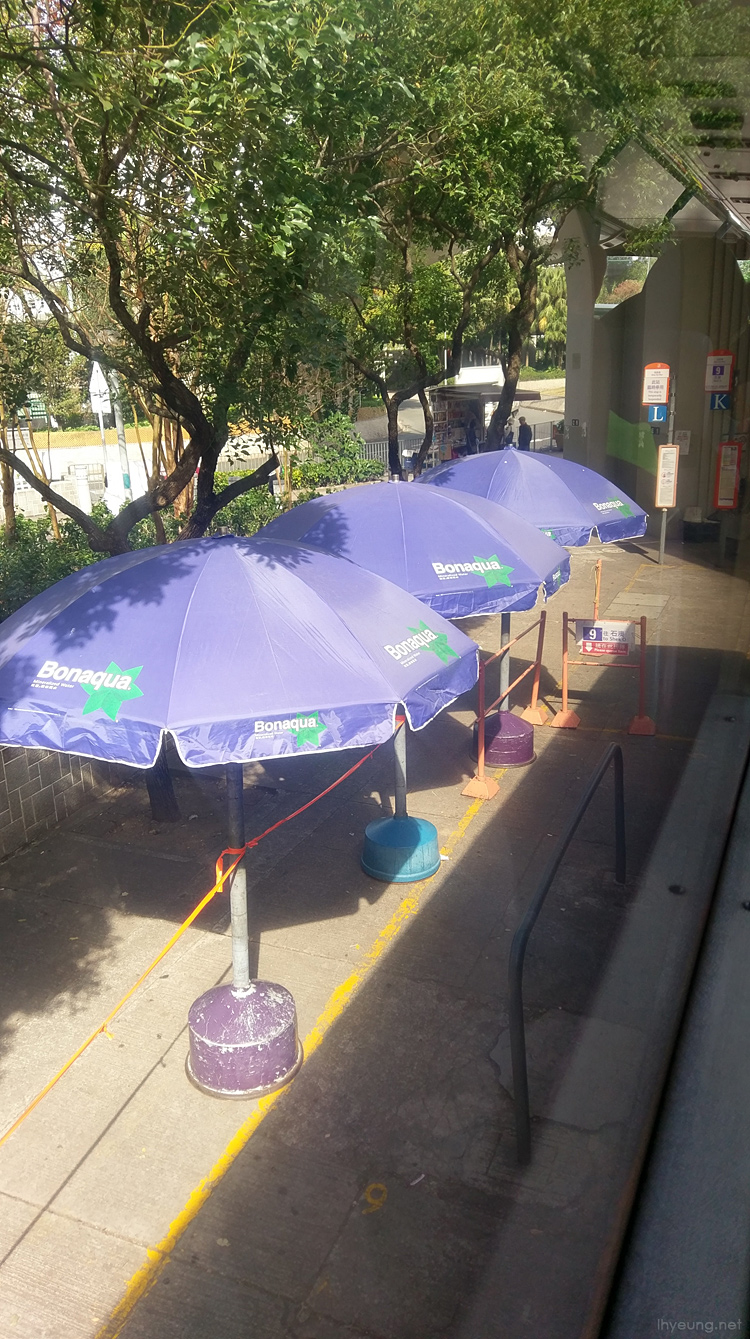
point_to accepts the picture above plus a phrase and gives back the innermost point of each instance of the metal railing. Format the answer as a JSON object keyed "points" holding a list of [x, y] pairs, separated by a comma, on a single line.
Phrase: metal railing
{"points": [[521, 938], [408, 443]]}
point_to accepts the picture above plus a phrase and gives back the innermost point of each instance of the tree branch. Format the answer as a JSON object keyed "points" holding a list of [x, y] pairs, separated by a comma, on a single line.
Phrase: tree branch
{"points": [[94, 533]]}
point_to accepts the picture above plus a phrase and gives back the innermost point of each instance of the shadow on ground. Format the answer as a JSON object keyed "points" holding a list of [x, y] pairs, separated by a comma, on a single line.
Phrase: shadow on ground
{"points": [[373, 1195]]}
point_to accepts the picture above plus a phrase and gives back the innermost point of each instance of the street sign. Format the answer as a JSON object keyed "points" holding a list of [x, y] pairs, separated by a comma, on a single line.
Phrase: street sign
{"points": [[611, 637], [719, 365], [99, 391], [721, 400], [666, 476], [727, 483], [657, 413], [655, 383]]}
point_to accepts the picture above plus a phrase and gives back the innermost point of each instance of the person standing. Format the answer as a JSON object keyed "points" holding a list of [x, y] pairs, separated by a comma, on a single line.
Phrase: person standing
{"points": [[525, 434]]}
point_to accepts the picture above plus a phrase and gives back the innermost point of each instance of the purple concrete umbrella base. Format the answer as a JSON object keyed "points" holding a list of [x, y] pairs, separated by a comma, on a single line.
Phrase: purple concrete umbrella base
{"points": [[243, 1043], [508, 741]]}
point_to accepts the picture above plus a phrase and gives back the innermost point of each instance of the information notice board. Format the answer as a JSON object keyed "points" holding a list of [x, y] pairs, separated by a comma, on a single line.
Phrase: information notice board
{"points": [[666, 476], [727, 483]]}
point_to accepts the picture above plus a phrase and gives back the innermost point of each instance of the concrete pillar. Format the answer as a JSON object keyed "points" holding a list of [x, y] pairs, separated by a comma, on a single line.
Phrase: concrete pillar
{"points": [[585, 266]]}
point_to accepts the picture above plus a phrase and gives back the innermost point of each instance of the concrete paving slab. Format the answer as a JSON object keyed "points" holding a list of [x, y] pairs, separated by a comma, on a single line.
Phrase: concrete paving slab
{"points": [[16, 1215], [381, 1273], [285, 1213], [579, 1068], [246, 1312], [89, 1270]]}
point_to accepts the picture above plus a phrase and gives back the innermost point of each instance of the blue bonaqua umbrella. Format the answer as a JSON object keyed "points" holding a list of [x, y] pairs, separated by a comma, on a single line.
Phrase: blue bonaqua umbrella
{"points": [[565, 501], [239, 649], [459, 554]]}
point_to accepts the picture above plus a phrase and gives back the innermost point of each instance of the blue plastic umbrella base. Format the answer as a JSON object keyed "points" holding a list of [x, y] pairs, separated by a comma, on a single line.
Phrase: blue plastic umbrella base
{"points": [[401, 850]]}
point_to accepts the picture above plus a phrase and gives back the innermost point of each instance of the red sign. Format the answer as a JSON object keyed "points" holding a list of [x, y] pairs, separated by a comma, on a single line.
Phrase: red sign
{"points": [[655, 383], [606, 637], [605, 648], [727, 484]]}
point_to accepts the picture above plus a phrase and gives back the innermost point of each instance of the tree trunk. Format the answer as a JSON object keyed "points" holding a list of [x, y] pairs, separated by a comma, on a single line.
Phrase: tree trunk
{"points": [[164, 806], [9, 510], [429, 432], [394, 456], [208, 505], [520, 321]]}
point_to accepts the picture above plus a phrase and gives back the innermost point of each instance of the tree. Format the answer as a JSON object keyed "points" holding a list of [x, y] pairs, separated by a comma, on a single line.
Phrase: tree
{"points": [[407, 313], [550, 321], [161, 195], [483, 160]]}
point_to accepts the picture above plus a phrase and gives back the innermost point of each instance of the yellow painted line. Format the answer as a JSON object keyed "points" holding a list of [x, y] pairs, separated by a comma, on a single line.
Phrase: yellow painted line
{"points": [[665, 567], [157, 1257]]}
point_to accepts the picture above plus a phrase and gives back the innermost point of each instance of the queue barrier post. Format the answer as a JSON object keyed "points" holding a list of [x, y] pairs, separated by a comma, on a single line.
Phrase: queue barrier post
{"points": [[535, 714], [565, 719], [642, 724], [481, 787]]}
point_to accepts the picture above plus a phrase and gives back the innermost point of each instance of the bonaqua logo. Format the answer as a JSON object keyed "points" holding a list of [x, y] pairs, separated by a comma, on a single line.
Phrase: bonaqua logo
{"points": [[106, 690], [614, 504], [422, 639], [494, 572], [306, 729]]}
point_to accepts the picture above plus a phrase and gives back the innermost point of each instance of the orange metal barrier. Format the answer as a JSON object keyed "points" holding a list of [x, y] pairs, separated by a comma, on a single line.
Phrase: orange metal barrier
{"points": [[641, 724]]}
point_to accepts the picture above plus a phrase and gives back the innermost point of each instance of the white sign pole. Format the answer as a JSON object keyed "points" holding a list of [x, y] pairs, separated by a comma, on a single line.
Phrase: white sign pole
{"points": [[666, 488], [670, 438], [101, 405]]}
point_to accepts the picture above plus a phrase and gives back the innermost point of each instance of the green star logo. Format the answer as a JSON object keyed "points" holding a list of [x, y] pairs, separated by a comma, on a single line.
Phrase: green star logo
{"points": [[309, 734], [550, 535], [496, 576], [621, 506], [438, 644], [108, 697]]}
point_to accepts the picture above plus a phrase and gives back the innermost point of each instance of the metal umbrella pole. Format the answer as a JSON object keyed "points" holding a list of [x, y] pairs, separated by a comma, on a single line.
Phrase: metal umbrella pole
{"points": [[238, 887], [399, 755], [243, 1037], [505, 662], [400, 849]]}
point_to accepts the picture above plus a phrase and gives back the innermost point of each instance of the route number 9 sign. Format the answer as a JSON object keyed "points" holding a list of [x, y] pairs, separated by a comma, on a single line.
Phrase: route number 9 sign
{"points": [[612, 637]]}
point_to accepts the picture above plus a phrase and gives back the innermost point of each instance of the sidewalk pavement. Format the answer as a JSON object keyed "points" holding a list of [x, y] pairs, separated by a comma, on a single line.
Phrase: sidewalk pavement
{"points": [[378, 1197]]}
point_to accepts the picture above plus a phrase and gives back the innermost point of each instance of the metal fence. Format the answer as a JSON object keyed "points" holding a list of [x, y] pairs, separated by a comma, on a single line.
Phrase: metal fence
{"points": [[409, 443]]}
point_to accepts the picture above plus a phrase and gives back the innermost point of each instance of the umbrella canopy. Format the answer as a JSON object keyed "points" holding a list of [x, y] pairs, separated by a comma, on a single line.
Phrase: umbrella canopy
{"points": [[564, 500], [459, 554], [239, 648]]}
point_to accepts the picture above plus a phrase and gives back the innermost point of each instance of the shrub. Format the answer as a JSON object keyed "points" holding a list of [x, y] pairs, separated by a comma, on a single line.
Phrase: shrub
{"points": [[36, 560], [333, 456], [247, 513]]}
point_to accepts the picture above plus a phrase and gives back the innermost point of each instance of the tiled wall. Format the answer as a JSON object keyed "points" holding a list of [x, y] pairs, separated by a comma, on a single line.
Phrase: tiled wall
{"points": [[38, 788]]}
